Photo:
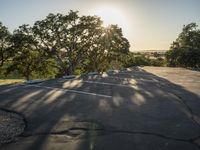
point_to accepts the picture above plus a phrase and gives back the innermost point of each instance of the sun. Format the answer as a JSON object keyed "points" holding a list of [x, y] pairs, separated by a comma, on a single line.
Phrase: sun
{"points": [[112, 15]]}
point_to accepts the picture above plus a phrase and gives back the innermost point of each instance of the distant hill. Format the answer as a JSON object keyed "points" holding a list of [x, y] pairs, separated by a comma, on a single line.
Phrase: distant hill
{"points": [[149, 51]]}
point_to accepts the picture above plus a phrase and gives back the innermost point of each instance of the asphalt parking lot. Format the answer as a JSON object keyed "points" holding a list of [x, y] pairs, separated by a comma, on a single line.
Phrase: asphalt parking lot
{"points": [[154, 108]]}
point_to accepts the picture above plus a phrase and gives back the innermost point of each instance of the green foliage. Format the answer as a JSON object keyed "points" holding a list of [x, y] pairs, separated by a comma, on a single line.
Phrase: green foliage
{"points": [[158, 62], [80, 42], [138, 59], [26, 59], [4, 44], [63, 44], [185, 51]]}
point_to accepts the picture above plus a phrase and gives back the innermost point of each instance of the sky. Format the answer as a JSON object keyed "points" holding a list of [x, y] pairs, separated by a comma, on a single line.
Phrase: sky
{"points": [[147, 24]]}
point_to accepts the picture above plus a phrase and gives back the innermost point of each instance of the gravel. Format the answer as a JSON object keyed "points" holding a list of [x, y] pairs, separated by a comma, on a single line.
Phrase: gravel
{"points": [[11, 125]]}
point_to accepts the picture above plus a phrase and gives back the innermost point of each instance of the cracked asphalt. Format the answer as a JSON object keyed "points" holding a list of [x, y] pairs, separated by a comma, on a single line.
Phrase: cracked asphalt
{"points": [[154, 108]]}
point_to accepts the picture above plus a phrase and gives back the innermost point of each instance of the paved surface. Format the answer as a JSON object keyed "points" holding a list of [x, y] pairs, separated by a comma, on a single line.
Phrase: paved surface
{"points": [[150, 108]]}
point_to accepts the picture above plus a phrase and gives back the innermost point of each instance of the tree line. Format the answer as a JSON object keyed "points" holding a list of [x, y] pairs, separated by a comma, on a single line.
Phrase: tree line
{"points": [[65, 44]]}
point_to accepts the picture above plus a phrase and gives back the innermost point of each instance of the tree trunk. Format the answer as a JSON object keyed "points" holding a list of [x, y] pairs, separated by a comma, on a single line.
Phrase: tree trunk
{"points": [[70, 70], [27, 77]]}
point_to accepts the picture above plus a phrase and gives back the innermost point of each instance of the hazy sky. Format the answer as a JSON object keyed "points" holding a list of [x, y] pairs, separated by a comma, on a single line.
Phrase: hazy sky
{"points": [[147, 24]]}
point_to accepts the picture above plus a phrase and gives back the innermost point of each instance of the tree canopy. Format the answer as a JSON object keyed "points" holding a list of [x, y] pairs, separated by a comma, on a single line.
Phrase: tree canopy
{"points": [[4, 44], [64, 43], [185, 51]]}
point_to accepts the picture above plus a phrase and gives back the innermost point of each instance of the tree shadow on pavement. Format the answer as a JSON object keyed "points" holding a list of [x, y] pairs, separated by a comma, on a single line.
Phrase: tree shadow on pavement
{"points": [[149, 113]]}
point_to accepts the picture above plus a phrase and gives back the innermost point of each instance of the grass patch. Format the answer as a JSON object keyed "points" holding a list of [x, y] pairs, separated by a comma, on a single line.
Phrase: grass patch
{"points": [[11, 81]]}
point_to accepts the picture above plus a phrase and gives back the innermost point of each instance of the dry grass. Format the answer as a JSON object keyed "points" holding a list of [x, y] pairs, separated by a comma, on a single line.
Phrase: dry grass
{"points": [[11, 81]]}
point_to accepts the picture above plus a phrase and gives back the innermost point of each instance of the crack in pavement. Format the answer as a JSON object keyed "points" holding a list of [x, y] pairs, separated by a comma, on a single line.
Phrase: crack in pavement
{"points": [[101, 131], [189, 110], [181, 101]]}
